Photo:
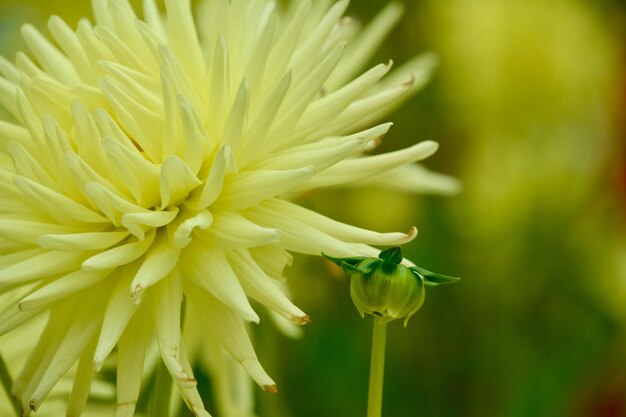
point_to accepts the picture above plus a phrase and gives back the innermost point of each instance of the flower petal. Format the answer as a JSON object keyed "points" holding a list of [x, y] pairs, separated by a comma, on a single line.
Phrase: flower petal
{"points": [[230, 332], [210, 270]]}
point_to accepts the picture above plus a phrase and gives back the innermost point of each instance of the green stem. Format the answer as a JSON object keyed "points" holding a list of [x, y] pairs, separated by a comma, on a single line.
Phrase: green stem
{"points": [[160, 398], [7, 383], [377, 369]]}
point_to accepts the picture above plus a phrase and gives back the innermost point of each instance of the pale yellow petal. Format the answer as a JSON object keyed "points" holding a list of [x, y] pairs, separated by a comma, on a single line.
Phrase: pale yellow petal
{"points": [[338, 230], [120, 255], [82, 383], [212, 187], [360, 50], [61, 288], [262, 288], [160, 260], [231, 230], [119, 311], [44, 265], [183, 38], [131, 353], [357, 169], [82, 241], [231, 333], [209, 269], [168, 299], [51, 59], [248, 189], [182, 236], [177, 181]]}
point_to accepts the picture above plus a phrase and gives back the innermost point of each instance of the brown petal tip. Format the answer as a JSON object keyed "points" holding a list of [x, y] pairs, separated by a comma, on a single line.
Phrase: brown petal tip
{"points": [[410, 82], [272, 389]]}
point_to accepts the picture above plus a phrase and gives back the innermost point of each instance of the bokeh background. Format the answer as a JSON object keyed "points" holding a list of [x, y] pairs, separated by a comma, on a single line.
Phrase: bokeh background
{"points": [[529, 106]]}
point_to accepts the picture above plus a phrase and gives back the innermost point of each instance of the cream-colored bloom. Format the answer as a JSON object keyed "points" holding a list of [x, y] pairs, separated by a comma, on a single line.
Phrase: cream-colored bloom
{"points": [[148, 164]]}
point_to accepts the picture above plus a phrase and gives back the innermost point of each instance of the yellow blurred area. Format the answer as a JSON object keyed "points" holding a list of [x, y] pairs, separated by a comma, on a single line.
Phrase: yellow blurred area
{"points": [[536, 85]]}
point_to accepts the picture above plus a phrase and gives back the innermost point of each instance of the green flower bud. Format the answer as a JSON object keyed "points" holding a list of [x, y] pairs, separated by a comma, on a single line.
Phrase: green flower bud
{"points": [[385, 288], [389, 291]]}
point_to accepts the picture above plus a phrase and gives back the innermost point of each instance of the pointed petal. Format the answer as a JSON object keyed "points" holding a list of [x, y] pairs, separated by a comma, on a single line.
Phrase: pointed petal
{"points": [[357, 169], [247, 189], [62, 208], [82, 382], [177, 181], [158, 263], [298, 236], [82, 241], [120, 255], [229, 330], [61, 288], [119, 311], [209, 269], [44, 265], [231, 230], [214, 183], [131, 353], [262, 288]]}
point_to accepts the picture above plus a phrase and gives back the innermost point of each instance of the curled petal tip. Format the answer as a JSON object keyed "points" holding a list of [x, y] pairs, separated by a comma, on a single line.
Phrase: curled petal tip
{"points": [[136, 293]]}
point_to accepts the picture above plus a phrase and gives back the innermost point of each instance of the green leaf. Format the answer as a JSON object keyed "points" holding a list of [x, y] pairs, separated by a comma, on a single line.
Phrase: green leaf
{"points": [[433, 278], [391, 255]]}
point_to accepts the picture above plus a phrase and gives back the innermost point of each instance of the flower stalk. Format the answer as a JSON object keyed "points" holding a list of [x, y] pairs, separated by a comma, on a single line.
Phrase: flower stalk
{"points": [[387, 289], [377, 368]]}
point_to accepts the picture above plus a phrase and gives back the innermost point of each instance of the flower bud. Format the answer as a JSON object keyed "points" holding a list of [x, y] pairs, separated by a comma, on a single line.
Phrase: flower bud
{"points": [[385, 288], [388, 291]]}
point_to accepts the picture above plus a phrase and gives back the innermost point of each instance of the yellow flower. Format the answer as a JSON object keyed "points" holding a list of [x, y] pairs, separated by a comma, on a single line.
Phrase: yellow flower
{"points": [[148, 165]]}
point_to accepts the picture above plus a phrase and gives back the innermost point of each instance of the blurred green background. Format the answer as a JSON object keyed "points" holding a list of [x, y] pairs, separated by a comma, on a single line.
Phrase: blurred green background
{"points": [[529, 106]]}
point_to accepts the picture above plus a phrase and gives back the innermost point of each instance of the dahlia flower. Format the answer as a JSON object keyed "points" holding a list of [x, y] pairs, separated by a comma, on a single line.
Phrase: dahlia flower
{"points": [[153, 160]]}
